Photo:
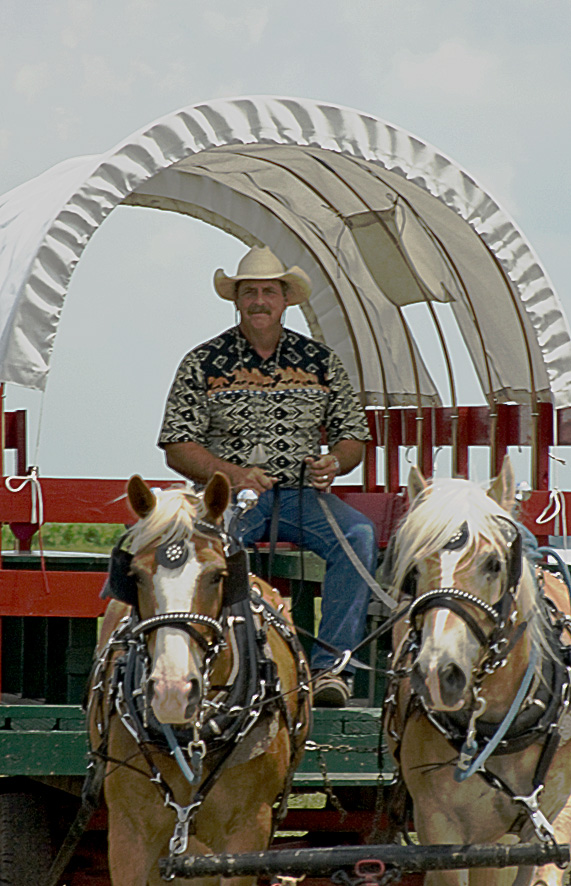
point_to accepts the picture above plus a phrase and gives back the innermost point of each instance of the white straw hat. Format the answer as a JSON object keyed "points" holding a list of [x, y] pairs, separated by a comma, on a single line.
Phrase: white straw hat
{"points": [[261, 264]]}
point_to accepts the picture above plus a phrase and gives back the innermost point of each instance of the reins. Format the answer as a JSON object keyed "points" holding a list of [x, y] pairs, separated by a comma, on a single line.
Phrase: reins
{"points": [[343, 657]]}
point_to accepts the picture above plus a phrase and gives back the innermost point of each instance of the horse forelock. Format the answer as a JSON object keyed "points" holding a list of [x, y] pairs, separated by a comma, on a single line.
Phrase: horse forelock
{"points": [[172, 518], [438, 513]]}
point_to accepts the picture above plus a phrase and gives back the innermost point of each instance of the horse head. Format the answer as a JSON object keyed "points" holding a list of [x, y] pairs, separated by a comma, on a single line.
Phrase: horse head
{"points": [[458, 553], [176, 569]]}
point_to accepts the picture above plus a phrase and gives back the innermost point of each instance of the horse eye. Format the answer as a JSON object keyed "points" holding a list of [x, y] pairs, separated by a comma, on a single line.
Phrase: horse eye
{"points": [[409, 582], [214, 576], [492, 565]]}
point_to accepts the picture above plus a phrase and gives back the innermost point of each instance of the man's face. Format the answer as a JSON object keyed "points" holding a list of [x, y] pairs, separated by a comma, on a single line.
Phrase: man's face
{"points": [[261, 303]]}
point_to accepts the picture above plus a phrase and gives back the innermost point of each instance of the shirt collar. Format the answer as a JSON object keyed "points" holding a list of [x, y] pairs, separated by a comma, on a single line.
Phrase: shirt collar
{"points": [[245, 347]]}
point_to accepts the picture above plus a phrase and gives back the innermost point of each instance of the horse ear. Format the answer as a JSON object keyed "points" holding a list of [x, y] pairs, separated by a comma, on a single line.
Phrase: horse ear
{"points": [[502, 489], [416, 483], [141, 498], [216, 496]]}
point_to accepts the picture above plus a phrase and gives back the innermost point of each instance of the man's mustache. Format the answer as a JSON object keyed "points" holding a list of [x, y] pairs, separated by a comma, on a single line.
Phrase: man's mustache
{"points": [[258, 311]]}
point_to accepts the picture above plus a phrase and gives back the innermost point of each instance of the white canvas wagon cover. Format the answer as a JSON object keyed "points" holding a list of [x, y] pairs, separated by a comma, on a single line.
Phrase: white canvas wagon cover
{"points": [[378, 218]]}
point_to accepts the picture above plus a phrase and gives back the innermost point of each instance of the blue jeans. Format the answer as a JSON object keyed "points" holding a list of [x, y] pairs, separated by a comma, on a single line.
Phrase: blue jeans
{"points": [[344, 595]]}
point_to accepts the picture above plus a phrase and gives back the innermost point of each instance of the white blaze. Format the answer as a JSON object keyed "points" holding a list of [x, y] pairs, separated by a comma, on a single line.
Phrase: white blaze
{"points": [[448, 563], [174, 661], [447, 636]]}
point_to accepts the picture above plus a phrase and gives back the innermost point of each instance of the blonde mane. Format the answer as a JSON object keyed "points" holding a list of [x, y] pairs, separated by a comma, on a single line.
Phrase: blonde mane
{"points": [[171, 519], [438, 513]]}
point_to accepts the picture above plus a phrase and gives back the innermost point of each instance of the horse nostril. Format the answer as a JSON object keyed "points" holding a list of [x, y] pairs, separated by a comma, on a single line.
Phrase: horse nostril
{"points": [[452, 683], [417, 680], [193, 694]]}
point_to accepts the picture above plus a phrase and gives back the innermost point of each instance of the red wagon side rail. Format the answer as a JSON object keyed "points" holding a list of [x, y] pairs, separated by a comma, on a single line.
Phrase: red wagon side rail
{"points": [[69, 593]]}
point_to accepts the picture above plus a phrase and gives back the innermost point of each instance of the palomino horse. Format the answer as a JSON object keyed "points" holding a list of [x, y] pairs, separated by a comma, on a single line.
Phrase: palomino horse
{"points": [[477, 709], [199, 703]]}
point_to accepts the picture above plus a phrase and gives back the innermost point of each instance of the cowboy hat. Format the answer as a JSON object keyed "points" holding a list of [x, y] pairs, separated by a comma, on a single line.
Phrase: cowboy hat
{"points": [[261, 264]]}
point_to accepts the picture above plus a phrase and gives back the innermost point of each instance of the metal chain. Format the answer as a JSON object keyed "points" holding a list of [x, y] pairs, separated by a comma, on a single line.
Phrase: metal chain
{"points": [[341, 748], [320, 749], [376, 830], [328, 787]]}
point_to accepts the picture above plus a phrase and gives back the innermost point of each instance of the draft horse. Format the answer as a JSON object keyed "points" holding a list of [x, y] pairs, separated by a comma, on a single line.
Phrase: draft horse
{"points": [[477, 712], [199, 701]]}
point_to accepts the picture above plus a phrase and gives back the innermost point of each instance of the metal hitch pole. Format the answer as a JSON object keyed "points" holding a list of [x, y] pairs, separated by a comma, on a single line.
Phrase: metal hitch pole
{"points": [[321, 862]]}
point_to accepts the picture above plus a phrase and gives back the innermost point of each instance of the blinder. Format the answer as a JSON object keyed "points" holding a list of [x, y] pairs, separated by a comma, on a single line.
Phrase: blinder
{"points": [[121, 584], [515, 561], [236, 585], [408, 586], [458, 540]]}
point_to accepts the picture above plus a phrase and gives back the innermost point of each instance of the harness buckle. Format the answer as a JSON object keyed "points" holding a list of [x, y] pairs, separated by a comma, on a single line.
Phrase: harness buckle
{"points": [[500, 644], [467, 754], [196, 752], [341, 663], [542, 827]]}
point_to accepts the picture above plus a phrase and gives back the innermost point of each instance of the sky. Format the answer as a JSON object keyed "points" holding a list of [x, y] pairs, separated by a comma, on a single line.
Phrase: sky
{"points": [[487, 83]]}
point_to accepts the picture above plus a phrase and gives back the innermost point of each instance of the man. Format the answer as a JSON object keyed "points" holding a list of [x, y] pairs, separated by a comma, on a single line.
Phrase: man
{"points": [[252, 403]]}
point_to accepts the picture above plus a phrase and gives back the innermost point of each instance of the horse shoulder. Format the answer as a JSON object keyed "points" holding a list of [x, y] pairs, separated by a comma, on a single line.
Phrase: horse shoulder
{"points": [[556, 590], [286, 657]]}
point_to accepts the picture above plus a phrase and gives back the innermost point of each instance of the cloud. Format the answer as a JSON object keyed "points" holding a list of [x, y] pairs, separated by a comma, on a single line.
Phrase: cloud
{"points": [[101, 79], [170, 242], [5, 139], [142, 7], [173, 76], [31, 80], [79, 18], [250, 23], [454, 69], [67, 124]]}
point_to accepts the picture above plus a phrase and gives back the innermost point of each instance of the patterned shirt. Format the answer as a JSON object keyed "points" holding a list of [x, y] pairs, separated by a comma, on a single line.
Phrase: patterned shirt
{"points": [[229, 399]]}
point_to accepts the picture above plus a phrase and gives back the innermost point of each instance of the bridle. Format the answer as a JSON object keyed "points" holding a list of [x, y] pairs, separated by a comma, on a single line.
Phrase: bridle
{"points": [[123, 584], [185, 621], [496, 643], [132, 633]]}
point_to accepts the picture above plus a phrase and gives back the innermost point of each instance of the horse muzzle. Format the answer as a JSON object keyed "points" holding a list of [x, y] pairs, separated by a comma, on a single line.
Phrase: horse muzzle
{"points": [[174, 702], [441, 687]]}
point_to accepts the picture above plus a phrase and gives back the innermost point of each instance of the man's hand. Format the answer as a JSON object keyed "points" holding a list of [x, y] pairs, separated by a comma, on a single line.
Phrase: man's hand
{"points": [[251, 478], [198, 464], [323, 470]]}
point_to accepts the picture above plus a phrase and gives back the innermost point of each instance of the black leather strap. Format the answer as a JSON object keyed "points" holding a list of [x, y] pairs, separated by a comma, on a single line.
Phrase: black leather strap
{"points": [[274, 525]]}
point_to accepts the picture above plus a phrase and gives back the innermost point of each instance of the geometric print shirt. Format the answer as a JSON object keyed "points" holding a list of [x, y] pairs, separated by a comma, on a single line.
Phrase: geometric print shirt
{"points": [[230, 400]]}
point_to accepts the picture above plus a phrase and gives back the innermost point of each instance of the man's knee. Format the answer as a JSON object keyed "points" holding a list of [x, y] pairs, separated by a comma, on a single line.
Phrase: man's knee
{"points": [[364, 538]]}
